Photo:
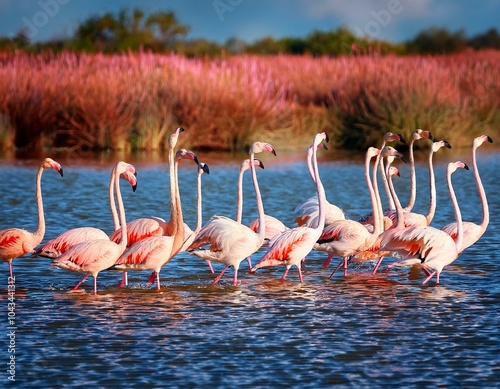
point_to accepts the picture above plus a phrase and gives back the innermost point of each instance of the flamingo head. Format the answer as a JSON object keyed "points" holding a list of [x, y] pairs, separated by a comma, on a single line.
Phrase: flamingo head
{"points": [[437, 145], [421, 134], [245, 165], [203, 168], [49, 163], [259, 147], [391, 137], [388, 151], [480, 140], [452, 166], [186, 154], [173, 138], [394, 171]]}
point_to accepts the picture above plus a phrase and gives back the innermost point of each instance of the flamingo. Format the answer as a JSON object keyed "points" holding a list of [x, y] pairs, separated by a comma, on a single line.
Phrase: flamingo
{"points": [[348, 237], [368, 219], [473, 231], [309, 209], [417, 219], [93, 256], [417, 135], [428, 247], [230, 241], [153, 252], [293, 245], [15, 242], [58, 245], [151, 226]]}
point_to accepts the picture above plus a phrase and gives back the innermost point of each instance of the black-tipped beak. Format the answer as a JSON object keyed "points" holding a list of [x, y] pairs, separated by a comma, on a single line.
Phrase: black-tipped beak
{"points": [[431, 137], [402, 158], [181, 129], [401, 139], [489, 139], [195, 159], [134, 187], [327, 138], [60, 172], [206, 169], [446, 144], [466, 167]]}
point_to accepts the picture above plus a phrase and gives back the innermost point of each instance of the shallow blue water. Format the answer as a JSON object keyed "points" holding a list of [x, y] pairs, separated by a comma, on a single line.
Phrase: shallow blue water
{"points": [[358, 331]]}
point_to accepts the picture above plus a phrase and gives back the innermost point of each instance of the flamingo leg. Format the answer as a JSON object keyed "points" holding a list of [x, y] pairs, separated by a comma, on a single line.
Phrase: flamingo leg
{"points": [[328, 260], [157, 280], [81, 281], [10, 269], [337, 268], [300, 275], [210, 266], [377, 265], [95, 284], [235, 278], [152, 278], [430, 276], [345, 266], [124, 281], [220, 275], [249, 260], [283, 277]]}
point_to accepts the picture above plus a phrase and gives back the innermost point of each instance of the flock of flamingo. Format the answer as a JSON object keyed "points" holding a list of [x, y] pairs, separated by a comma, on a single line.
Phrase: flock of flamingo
{"points": [[149, 243]]}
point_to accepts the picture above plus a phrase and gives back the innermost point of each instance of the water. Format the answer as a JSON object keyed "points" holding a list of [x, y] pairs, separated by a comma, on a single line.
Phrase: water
{"points": [[359, 331]]}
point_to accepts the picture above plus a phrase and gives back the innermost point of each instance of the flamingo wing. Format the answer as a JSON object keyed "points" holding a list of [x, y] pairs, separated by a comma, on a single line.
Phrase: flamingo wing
{"points": [[87, 254], [15, 242], [139, 229]]}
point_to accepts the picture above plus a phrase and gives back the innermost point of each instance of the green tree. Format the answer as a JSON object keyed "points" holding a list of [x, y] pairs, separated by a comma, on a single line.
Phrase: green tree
{"points": [[438, 41]]}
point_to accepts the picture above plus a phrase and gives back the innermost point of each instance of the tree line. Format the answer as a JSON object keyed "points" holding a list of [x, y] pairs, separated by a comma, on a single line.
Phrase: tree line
{"points": [[161, 32]]}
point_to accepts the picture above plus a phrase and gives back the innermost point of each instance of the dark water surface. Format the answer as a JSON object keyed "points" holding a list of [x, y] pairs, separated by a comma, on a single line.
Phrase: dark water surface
{"points": [[359, 331]]}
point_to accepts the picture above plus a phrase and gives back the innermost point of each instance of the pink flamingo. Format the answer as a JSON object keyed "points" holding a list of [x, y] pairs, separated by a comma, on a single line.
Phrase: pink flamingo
{"points": [[473, 231], [93, 256], [417, 219], [293, 245], [428, 247], [231, 242], [15, 242], [151, 226], [58, 245], [310, 209], [348, 237], [153, 252], [417, 135]]}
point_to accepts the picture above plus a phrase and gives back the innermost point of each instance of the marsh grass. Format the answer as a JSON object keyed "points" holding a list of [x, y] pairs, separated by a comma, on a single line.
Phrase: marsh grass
{"points": [[134, 101]]}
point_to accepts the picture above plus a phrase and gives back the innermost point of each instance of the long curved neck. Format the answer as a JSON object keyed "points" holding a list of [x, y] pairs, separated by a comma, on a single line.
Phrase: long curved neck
{"points": [[399, 209], [260, 206], [121, 211], [198, 215], [377, 210], [386, 184], [239, 209], [320, 191], [374, 197], [482, 193], [432, 181], [112, 204], [413, 180], [40, 230], [176, 213], [458, 214]]}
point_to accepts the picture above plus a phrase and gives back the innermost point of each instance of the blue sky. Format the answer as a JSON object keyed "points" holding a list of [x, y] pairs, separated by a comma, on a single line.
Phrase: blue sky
{"points": [[249, 20]]}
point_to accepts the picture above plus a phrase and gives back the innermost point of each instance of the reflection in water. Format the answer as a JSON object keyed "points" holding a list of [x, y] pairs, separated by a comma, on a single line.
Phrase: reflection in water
{"points": [[360, 330]]}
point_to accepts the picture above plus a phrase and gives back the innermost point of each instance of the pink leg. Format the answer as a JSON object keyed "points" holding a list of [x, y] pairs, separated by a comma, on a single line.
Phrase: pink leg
{"points": [[283, 277], [81, 281], [10, 269], [158, 280], [249, 260], [337, 268], [345, 266], [300, 275], [211, 267], [377, 265], [151, 279], [430, 276], [235, 277], [328, 260], [95, 285], [124, 281], [220, 275], [427, 272]]}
